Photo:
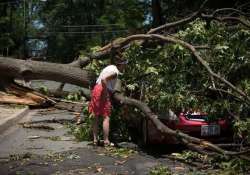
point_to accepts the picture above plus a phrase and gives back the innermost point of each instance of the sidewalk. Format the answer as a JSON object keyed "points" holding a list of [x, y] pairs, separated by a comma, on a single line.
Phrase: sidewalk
{"points": [[9, 115]]}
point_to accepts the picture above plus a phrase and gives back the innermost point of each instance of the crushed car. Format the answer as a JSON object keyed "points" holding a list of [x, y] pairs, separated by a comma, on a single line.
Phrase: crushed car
{"points": [[197, 124]]}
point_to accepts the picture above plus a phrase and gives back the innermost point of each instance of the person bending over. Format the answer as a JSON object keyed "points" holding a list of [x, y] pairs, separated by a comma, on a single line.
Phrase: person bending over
{"points": [[100, 104]]}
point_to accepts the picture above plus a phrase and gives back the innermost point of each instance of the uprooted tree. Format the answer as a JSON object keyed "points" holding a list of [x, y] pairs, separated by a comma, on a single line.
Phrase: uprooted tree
{"points": [[163, 55]]}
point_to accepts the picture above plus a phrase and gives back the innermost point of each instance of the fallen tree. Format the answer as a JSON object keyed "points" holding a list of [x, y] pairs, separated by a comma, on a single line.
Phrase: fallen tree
{"points": [[81, 78], [11, 69]]}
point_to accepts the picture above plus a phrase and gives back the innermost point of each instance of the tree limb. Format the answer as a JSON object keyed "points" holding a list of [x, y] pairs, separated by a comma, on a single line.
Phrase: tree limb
{"points": [[180, 22], [229, 93], [188, 46], [228, 9], [166, 130], [222, 19]]}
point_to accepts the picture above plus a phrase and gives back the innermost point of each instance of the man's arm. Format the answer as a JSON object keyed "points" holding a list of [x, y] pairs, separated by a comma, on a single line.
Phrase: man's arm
{"points": [[105, 80], [104, 84]]}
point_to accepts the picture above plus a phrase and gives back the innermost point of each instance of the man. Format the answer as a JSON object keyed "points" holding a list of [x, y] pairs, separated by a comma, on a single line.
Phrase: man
{"points": [[100, 104]]}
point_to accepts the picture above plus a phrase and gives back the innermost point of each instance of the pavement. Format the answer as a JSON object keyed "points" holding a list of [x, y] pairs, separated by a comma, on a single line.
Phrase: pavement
{"points": [[45, 151], [20, 140], [25, 150]]}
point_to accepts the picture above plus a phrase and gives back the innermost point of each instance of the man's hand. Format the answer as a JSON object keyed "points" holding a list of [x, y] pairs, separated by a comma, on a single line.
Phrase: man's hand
{"points": [[105, 94]]}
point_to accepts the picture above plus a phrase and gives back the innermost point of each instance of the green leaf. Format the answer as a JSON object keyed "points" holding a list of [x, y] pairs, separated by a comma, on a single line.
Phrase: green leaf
{"points": [[131, 86], [152, 70], [221, 47]]}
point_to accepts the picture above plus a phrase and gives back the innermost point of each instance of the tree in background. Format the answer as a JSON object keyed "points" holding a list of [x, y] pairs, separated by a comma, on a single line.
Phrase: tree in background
{"points": [[11, 28], [72, 26]]}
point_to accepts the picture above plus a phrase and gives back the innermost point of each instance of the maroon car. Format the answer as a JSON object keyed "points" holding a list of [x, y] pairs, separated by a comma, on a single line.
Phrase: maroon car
{"points": [[194, 124]]}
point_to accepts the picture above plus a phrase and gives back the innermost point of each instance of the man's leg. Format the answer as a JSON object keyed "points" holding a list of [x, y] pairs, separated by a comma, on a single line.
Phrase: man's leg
{"points": [[105, 126], [95, 129]]}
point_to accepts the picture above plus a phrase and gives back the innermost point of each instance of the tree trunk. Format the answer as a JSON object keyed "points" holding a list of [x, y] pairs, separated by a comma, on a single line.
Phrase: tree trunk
{"points": [[30, 70], [156, 13]]}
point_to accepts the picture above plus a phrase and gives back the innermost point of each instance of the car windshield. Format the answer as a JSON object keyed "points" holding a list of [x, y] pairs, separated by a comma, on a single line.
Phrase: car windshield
{"points": [[198, 117]]}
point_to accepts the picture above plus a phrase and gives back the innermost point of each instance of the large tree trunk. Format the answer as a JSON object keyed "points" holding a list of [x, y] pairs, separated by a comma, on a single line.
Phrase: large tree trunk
{"points": [[11, 68]]}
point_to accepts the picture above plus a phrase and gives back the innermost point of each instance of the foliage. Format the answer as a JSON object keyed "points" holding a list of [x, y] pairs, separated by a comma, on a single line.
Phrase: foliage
{"points": [[242, 130], [76, 26], [232, 166], [66, 27], [11, 28], [120, 133], [132, 18], [160, 170], [82, 132], [190, 156], [44, 90], [55, 157], [221, 164], [120, 152], [20, 156], [76, 96], [168, 76]]}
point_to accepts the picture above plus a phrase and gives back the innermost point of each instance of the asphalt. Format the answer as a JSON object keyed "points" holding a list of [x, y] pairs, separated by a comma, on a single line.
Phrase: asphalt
{"points": [[34, 151], [19, 140], [43, 151]]}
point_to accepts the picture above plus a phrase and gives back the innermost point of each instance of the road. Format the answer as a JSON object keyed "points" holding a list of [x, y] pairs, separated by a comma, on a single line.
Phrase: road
{"points": [[54, 151], [43, 151]]}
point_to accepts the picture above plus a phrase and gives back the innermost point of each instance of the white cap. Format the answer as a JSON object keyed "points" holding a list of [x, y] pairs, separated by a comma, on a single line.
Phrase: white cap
{"points": [[107, 71]]}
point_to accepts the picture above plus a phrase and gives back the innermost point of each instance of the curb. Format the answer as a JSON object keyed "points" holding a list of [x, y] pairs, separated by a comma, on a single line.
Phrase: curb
{"points": [[10, 121]]}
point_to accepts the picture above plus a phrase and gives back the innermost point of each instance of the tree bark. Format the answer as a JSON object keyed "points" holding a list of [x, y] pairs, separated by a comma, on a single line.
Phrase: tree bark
{"points": [[32, 70], [22, 95]]}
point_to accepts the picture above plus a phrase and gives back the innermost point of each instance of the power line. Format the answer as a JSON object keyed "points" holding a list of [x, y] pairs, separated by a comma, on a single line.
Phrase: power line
{"points": [[92, 32], [10, 2], [91, 25]]}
